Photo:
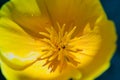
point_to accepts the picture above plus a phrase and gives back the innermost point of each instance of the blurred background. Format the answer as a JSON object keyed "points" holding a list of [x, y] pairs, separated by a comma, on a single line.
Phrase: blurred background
{"points": [[112, 8]]}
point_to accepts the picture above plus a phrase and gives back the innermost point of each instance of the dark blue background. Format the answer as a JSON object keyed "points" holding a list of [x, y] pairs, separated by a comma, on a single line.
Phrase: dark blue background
{"points": [[112, 8]]}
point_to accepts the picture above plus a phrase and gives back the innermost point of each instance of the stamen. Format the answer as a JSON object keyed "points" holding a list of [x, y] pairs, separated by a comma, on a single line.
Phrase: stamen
{"points": [[58, 53], [44, 34]]}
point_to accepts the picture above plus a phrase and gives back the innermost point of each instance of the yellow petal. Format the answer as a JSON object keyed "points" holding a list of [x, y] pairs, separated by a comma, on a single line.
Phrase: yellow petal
{"points": [[74, 12], [20, 7], [27, 14], [38, 72], [102, 58], [89, 44], [17, 48]]}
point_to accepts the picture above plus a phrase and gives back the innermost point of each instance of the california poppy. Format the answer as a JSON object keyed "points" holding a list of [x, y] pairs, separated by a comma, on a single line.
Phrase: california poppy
{"points": [[55, 39]]}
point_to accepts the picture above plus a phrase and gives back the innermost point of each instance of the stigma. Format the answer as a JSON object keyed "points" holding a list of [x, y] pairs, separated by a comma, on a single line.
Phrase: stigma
{"points": [[58, 52]]}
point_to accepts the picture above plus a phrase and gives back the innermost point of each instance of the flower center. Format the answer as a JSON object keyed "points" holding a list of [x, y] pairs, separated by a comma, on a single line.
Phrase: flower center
{"points": [[58, 51]]}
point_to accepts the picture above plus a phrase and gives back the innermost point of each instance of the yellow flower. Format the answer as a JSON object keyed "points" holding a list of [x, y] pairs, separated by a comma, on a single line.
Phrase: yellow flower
{"points": [[55, 39]]}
